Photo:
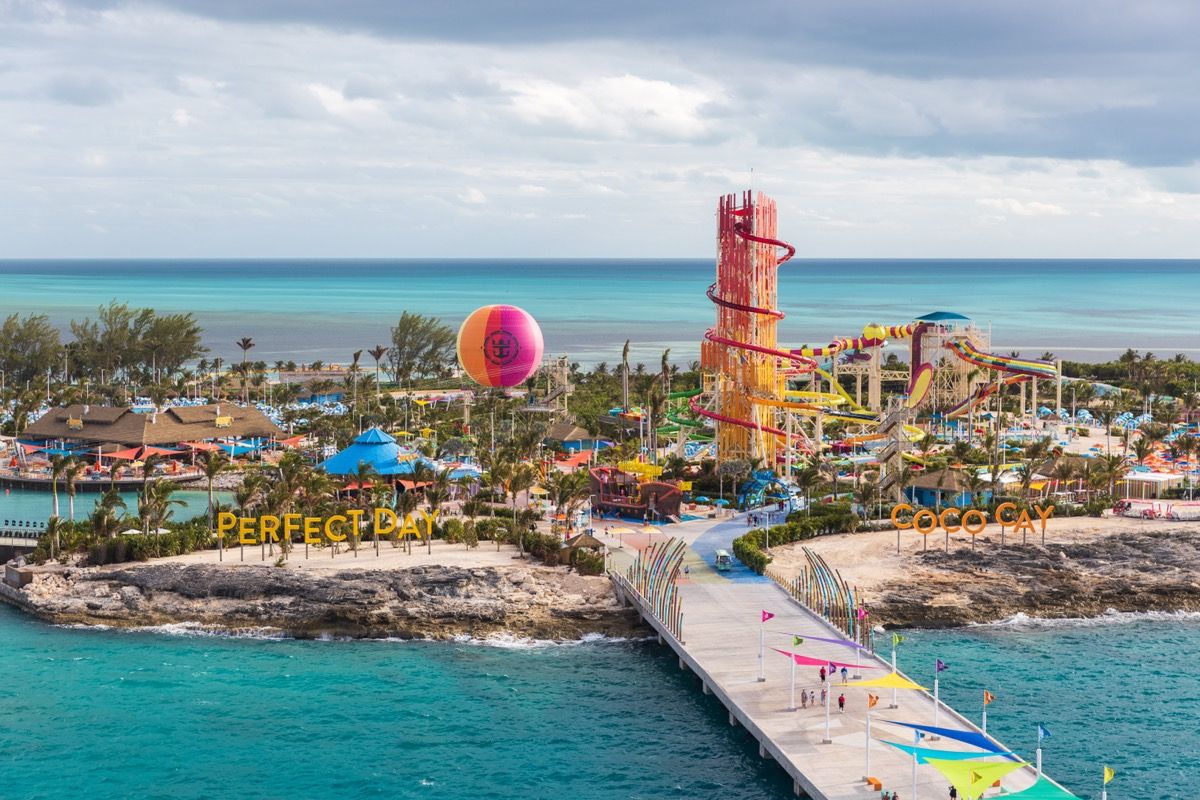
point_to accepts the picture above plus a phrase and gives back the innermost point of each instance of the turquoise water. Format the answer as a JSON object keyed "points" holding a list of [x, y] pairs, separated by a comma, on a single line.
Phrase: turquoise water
{"points": [[306, 310], [105, 714], [28, 504], [1121, 691], [108, 714]]}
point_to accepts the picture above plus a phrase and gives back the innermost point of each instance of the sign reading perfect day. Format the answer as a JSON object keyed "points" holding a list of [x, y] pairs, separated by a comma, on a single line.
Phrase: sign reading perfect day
{"points": [[972, 520], [319, 530]]}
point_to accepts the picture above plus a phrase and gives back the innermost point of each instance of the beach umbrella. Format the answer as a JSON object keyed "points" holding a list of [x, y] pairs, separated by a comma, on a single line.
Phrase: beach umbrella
{"points": [[721, 501], [701, 499]]}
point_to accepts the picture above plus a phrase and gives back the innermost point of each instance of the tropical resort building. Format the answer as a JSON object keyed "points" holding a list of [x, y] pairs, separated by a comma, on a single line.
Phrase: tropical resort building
{"points": [[114, 441]]}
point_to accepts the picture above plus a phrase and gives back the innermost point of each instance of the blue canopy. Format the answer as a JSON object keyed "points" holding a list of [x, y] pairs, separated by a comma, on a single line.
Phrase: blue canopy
{"points": [[941, 316], [967, 737], [373, 447], [923, 754]]}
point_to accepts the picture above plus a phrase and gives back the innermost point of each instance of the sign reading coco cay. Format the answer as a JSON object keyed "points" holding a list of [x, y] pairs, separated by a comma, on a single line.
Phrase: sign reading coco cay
{"points": [[319, 530], [973, 521]]}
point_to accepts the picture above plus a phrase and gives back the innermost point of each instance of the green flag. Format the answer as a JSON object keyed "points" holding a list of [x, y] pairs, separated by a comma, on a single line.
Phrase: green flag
{"points": [[896, 639], [797, 641]]}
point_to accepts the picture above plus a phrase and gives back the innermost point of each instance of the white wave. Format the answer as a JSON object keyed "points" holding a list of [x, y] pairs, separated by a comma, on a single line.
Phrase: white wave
{"points": [[1109, 617], [507, 641], [198, 629]]}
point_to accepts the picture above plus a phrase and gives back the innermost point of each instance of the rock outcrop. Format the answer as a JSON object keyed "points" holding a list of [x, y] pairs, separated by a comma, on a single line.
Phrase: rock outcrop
{"points": [[421, 602], [1147, 570]]}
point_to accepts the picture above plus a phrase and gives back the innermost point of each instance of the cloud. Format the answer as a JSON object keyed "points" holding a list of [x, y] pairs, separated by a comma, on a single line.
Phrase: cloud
{"points": [[1028, 208], [83, 90], [473, 196], [270, 128]]}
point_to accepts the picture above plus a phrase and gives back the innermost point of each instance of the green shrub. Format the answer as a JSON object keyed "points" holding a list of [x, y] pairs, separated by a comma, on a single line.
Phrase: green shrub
{"points": [[588, 562]]}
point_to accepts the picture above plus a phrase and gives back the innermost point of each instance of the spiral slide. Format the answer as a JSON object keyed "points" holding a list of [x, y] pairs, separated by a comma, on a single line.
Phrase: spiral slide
{"points": [[801, 362]]}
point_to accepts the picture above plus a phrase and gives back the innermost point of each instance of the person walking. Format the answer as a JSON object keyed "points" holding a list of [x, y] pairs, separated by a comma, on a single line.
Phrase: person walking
{"points": [[842, 703], [845, 675], [953, 793], [804, 698], [822, 674]]}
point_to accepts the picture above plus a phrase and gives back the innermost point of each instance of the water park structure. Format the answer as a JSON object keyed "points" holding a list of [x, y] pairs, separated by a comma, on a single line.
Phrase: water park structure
{"points": [[768, 403]]}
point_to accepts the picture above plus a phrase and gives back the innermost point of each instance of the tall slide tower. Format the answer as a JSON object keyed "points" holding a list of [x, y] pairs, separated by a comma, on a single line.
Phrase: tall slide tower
{"points": [[739, 354]]}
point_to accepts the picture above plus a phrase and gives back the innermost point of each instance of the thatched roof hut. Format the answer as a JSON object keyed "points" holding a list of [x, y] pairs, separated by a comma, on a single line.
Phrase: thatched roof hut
{"points": [[114, 424]]}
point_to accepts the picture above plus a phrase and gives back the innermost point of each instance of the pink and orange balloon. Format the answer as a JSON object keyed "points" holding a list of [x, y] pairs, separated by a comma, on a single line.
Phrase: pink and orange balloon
{"points": [[500, 345]]}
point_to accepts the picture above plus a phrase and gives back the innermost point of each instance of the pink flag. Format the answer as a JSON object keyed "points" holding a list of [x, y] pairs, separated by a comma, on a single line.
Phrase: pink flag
{"points": [[862, 613], [767, 615]]}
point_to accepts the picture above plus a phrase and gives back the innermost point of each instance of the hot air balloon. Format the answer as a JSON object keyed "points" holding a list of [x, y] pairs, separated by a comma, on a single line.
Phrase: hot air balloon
{"points": [[500, 345]]}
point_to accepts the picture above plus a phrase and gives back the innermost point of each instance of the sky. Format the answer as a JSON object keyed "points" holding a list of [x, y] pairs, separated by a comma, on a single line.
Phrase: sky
{"points": [[526, 128]]}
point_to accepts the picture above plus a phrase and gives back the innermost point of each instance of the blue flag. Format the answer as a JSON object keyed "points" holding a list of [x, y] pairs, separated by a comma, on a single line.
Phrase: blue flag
{"points": [[941, 665], [1042, 733]]}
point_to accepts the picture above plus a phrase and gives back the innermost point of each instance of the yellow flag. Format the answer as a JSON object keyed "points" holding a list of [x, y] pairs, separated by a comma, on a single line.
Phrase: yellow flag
{"points": [[1109, 774]]}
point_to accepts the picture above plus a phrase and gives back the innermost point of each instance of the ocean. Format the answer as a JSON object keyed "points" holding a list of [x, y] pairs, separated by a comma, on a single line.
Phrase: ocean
{"points": [[326, 309], [167, 714], [1119, 690], [36, 505]]}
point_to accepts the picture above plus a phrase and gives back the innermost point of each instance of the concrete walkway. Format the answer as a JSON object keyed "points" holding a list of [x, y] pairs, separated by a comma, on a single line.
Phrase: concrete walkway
{"points": [[721, 613]]}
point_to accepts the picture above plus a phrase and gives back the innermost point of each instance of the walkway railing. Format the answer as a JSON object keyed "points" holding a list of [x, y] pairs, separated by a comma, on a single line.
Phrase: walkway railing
{"points": [[823, 591], [651, 578], [22, 528]]}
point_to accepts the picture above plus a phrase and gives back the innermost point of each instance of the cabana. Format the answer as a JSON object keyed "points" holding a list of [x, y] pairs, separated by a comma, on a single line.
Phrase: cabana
{"points": [[376, 449]]}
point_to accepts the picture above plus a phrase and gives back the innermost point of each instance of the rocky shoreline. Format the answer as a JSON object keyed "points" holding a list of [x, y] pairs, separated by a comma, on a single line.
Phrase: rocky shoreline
{"points": [[1148, 570], [417, 603]]}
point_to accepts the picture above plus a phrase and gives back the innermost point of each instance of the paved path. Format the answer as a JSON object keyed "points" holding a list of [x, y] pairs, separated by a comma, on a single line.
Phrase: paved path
{"points": [[721, 644]]}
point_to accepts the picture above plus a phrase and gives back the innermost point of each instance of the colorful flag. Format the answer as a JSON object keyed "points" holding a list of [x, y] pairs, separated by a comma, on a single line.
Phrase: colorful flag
{"points": [[896, 639], [766, 615], [862, 613], [988, 697], [872, 700], [941, 665], [1042, 733], [797, 641], [1109, 774]]}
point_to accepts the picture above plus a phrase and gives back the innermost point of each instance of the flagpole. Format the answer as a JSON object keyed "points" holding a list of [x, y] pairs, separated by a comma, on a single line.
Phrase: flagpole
{"points": [[761, 637], [867, 766], [793, 706], [985, 717], [894, 696], [937, 702], [916, 743], [828, 739], [1039, 762], [858, 663]]}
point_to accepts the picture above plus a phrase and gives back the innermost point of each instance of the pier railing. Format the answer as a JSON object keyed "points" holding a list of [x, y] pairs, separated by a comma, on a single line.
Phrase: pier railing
{"points": [[823, 591], [651, 579], [22, 528]]}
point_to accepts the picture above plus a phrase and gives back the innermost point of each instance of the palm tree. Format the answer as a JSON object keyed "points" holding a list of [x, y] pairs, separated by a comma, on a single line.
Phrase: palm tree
{"points": [[214, 464], [154, 507], [378, 352], [1143, 448], [367, 478], [74, 467], [523, 477], [248, 497], [54, 529], [1112, 469], [625, 376], [666, 371], [104, 520], [407, 504], [245, 343], [974, 481], [436, 495], [58, 469]]}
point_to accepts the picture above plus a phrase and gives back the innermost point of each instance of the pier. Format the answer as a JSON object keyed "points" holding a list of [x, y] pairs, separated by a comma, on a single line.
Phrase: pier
{"points": [[711, 622]]}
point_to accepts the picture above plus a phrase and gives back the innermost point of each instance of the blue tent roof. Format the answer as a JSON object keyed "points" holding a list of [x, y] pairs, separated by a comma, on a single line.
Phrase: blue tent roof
{"points": [[968, 737], [372, 447], [942, 316]]}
